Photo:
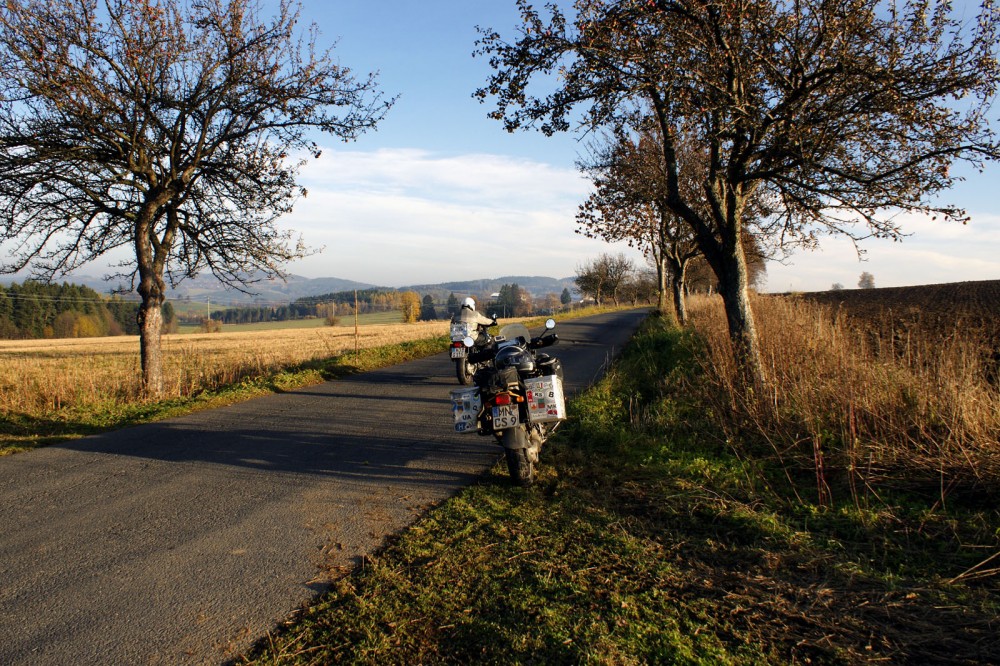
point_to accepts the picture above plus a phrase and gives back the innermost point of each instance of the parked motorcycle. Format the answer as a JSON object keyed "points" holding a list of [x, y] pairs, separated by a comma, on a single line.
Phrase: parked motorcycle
{"points": [[464, 368], [517, 398]]}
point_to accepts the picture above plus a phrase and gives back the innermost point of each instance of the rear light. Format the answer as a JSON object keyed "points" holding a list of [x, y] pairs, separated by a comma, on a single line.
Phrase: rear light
{"points": [[457, 343], [503, 399]]}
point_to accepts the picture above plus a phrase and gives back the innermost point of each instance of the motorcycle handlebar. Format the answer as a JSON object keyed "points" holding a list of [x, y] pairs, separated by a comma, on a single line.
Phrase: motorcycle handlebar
{"points": [[544, 341]]}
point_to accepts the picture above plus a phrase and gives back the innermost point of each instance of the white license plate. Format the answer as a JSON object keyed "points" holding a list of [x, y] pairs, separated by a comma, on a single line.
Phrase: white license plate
{"points": [[505, 416], [458, 352]]}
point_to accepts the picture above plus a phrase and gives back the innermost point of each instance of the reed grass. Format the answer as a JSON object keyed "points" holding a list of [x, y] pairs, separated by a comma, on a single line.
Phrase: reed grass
{"points": [[860, 401]]}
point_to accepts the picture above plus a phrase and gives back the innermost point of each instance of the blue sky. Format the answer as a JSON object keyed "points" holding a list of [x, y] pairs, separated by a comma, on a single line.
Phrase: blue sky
{"points": [[440, 192]]}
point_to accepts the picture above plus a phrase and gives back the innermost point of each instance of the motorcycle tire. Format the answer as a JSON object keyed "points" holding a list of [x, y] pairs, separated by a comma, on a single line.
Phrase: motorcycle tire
{"points": [[464, 371], [519, 459]]}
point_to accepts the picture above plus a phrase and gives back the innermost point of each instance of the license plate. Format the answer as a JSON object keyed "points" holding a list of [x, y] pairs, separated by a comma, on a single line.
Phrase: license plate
{"points": [[458, 352], [505, 416]]}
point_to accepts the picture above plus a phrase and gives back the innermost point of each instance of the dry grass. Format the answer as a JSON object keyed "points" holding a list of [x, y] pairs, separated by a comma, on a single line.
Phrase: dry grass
{"points": [[842, 400], [40, 376]]}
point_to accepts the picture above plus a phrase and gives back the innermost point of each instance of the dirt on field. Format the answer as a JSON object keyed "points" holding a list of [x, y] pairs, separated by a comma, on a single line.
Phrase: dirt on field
{"points": [[940, 309]]}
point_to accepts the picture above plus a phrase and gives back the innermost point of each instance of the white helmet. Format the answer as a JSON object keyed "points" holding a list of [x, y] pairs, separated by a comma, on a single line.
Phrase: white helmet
{"points": [[469, 303]]}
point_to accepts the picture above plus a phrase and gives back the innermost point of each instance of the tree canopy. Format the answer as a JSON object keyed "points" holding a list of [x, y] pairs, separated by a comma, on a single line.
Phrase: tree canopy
{"points": [[830, 116], [173, 129]]}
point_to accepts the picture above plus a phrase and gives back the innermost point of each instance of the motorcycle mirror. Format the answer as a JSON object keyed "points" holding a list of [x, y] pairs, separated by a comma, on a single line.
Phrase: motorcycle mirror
{"points": [[468, 341], [550, 324]]}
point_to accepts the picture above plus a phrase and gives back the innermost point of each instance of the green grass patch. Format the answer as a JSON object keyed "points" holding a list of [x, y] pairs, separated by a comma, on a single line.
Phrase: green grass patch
{"points": [[648, 539]]}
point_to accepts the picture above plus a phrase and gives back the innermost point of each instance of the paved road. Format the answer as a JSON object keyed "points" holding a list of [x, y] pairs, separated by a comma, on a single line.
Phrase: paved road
{"points": [[184, 541]]}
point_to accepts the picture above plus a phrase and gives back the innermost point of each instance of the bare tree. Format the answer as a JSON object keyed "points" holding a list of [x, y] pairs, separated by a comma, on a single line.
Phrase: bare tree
{"points": [[630, 203], [617, 271], [174, 129], [866, 281], [835, 113], [604, 276], [590, 279]]}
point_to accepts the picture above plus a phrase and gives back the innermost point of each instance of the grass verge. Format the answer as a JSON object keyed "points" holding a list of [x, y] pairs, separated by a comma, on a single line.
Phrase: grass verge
{"points": [[648, 540]]}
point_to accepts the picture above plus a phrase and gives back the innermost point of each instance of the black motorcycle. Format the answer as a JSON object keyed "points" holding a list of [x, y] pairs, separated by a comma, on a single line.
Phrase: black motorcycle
{"points": [[480, 335], [517, 398]]}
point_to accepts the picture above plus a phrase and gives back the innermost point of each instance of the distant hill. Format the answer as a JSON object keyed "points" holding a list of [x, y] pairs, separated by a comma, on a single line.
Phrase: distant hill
{"points": [[276, 292], [535, 285], [206, 287]]}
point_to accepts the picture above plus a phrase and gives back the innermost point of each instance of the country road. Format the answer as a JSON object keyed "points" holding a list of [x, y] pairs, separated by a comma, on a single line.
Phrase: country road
{"points": [[185, 541]]}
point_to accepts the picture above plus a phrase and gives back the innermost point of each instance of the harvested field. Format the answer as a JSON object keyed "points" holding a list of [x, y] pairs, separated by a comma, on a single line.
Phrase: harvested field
{"points": [[932, 308], [37, 376], [863, 391]]}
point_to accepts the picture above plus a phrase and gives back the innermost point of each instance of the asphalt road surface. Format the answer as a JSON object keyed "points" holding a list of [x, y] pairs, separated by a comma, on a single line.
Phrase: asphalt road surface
{"points": [[185, 541]]}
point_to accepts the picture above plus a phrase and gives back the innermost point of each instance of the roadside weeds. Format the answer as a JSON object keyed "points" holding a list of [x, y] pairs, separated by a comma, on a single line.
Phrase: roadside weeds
{"points": [[648, 540]]}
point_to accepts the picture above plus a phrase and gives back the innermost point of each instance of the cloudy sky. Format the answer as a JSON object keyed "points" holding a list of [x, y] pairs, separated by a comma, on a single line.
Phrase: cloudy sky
{"points": [[440, 192]]}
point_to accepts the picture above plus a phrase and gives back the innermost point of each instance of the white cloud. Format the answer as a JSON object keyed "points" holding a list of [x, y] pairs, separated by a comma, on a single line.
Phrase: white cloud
{"points": [[395, 217], [935, 251]]}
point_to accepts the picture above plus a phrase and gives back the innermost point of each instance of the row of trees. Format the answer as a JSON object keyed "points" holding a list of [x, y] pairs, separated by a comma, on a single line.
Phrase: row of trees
{"points": [[512, 301], [753, 126], [39, 310]]}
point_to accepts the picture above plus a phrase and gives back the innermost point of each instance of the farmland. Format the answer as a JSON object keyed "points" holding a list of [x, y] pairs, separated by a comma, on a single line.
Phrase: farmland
{"points": [[47, 384], [367, 319], [39, 375], [890, 387], [940, 308]]}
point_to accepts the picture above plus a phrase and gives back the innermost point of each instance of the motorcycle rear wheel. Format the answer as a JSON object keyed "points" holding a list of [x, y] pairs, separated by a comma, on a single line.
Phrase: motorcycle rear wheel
{"points": [[519, 460], [464, 371]]}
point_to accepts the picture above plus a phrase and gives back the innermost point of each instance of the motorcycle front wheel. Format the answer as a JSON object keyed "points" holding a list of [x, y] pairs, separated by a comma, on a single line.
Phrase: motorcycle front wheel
{"points": [[464, 371], [519, 462]]}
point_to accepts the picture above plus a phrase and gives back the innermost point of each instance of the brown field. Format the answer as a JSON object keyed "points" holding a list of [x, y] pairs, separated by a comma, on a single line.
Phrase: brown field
{"points": [[934, 308], [878, 385], [40, 376]]}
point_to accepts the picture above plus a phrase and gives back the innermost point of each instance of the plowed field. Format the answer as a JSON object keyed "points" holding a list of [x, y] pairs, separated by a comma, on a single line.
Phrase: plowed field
{"points": [[940, 309]]}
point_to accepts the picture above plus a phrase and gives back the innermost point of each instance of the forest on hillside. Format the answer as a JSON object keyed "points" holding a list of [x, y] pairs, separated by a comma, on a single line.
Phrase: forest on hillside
{"points": [[39, 310]]}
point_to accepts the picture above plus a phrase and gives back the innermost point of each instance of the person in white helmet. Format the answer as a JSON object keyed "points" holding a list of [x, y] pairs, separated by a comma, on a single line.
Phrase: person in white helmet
{"points": [[474, 325], [468, 315]]}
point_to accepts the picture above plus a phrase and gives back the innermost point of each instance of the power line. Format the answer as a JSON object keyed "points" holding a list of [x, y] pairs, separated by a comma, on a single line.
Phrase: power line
{"points": [[46, 297], [82, 299]]}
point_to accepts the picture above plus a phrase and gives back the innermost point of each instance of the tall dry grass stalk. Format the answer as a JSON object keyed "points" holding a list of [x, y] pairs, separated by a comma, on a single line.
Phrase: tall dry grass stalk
{"points": [[870, 403], [41, 376]]}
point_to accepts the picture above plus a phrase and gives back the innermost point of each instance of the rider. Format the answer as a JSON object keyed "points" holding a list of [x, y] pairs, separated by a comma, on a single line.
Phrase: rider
{"points": [[468, 315]]}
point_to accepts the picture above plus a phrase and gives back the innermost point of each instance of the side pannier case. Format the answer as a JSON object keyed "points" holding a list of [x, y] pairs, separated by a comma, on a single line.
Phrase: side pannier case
{"points": [[546, 401], [465, 407]]}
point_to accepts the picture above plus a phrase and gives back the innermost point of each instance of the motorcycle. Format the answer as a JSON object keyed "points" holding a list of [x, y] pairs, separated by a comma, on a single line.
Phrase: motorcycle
{"points": [[518, 396], [464, 368]]}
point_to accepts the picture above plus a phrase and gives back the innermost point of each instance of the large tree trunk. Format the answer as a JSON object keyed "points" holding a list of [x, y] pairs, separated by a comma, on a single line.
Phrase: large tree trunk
{"points": [[150, 260], [661, 285], [662, 277], [150, 319], [677, 284], [734, 289]]}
